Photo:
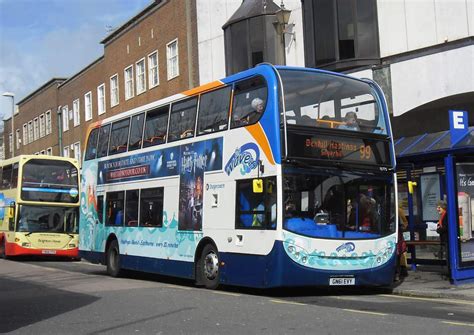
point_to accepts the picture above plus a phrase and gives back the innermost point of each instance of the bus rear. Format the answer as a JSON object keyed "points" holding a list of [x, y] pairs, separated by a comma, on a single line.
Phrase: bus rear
{"points": [[40, 208], [338, 181]]}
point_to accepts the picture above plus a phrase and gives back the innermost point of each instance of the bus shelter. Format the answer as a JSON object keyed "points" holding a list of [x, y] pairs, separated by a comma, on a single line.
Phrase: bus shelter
{"points": [[430, 168]]}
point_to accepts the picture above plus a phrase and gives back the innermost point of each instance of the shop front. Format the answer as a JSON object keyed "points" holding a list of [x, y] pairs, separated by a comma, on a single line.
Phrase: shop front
{"points": [[432, 167]]}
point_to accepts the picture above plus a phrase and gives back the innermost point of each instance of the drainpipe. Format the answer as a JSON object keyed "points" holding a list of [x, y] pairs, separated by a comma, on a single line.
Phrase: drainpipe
{"points": [[189, 45], [60, 131]]}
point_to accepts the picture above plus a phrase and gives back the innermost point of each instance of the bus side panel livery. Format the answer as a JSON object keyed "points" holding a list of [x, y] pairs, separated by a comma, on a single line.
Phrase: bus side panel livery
{"points": [[219, 185], [39, 200]]}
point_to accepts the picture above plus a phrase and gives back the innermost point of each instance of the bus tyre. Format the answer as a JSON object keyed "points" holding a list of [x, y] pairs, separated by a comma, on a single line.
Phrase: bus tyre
{"points": [[209, 267], [113, 259]]}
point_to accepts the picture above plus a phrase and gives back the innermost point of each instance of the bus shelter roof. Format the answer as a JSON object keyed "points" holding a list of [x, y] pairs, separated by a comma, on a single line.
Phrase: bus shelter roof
{"points": [[431, 145]]}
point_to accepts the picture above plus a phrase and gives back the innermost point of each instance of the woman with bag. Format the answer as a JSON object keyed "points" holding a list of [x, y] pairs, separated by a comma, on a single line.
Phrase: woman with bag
{"points": [[442, 228], [402, 264]]}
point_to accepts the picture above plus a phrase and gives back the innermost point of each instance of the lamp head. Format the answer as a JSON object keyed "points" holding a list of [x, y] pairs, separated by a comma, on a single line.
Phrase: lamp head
{"points": [[8, 94]]}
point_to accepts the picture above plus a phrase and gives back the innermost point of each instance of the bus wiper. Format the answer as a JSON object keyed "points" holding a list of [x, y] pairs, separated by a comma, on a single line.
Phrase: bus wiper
{"points": [[29, 233], [70, 235]]}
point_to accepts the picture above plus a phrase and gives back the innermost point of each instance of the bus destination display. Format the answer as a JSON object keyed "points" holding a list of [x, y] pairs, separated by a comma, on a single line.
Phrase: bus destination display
{"points": [[324, 147]]}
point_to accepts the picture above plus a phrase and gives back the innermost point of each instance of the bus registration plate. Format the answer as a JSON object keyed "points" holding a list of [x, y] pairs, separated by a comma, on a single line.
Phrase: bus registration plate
{"points": [[341, 281], [49, 252]]}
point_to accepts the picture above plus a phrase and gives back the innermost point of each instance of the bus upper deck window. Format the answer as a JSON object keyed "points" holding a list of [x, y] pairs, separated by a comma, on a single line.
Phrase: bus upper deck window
{"points": [[155, 126], [119, 137], [103, 141], [91, 149], [183, 119], [250, 98]]}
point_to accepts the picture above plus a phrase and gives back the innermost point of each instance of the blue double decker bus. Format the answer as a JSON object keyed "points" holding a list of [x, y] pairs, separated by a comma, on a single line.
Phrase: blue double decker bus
{"points": [[275, 176]]}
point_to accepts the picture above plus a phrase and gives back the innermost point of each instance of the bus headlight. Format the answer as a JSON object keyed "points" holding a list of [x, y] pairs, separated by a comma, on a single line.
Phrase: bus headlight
{"points": [[72, 245], [26, 244]]}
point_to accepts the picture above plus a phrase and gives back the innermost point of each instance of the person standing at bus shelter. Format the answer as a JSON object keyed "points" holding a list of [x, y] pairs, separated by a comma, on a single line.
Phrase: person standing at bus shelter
{"points": [[442, 229], [402, 264]]}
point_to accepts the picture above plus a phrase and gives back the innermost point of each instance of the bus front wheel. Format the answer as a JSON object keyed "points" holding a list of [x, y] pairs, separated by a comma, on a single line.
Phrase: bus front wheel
{"points": [[113, 259], [209, 267]]}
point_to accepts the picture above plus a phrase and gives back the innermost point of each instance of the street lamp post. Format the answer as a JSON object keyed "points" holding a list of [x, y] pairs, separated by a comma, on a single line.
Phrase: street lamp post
{"points": [[11, 95]]}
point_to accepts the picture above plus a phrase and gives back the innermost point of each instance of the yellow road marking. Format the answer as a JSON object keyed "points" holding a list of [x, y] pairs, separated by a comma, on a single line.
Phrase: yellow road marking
{"points": [[438, 300], [288, 302], [226, 293], [458, 323], [363, 312]]}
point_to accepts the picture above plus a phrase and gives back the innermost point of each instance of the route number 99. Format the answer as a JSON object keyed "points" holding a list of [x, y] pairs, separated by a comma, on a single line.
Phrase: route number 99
{"points": [[365, 152]]}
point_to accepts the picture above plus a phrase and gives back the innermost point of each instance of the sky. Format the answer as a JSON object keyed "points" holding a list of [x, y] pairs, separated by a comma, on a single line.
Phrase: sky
{"points": [[44, 39]]}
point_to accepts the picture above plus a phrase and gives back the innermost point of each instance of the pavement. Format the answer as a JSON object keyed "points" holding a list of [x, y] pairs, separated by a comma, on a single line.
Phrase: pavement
{"points": [[431, 282]]}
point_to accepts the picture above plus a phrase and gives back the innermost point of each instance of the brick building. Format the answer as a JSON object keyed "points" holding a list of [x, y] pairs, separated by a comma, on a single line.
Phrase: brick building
{"points": [[150, 57]]}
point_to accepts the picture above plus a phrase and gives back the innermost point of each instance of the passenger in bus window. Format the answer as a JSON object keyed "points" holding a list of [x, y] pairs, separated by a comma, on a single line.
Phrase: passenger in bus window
{"points": [[257, 106], [350, 122]]}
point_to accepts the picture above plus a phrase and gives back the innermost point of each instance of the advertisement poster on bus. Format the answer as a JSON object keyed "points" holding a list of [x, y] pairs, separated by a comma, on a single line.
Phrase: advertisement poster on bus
{"points": [[465, 188], [156, 164]]}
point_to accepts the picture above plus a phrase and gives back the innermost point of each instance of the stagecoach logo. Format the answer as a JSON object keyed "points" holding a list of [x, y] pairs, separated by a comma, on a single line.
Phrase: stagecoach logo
{"points": [[73, 192], [247, 157], [347, 247]]}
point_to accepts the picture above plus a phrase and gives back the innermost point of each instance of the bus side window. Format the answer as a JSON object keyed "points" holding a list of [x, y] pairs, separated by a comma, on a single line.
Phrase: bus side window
{"points": [[183, 119], [7, 177], [250, 99], [15, 175], [103, 142], [100, 208], [1, 179], [131, 208], [114, 208], [119, 136], [151, 207], [155, 126], [214, 111], [136, 132], [91, 149]]}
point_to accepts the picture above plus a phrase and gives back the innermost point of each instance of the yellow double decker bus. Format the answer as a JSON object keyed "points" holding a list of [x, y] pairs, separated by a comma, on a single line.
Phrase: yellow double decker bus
{"points": [[39, 206]]}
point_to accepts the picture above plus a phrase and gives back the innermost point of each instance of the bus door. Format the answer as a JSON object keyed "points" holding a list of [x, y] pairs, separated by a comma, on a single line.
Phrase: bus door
{"points": [[256, 214], [98, 230]]}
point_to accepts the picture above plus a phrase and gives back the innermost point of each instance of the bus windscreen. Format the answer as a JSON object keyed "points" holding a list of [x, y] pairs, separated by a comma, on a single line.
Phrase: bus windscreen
{"points": [[49, 181]]}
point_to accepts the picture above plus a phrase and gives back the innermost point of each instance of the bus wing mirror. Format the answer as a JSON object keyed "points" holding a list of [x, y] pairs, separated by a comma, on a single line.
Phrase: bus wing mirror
{"points": [[257, 186]]}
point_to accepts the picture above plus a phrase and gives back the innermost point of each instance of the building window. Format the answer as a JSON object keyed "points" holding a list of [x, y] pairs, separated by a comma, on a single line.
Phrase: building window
{"points": [[18, 139], [153, 76], [77, 151], [141, 81], [30, 132], [25, 134], [35, 129], [129, 82], [65, 114], [76, 113], [172, 59], [10, 142], [42, 125], [340, 34], [66, 151], [48, 123], [49, 151], [114, 91], [101, 99], [88, 105]]}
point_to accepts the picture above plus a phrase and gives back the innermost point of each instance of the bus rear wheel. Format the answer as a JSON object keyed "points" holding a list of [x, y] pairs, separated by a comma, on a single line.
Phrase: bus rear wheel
{"points": [[209, 267], [113, 259]]}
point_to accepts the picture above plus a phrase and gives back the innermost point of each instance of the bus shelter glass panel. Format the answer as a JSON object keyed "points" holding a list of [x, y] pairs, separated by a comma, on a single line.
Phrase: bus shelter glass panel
{"points": [[50, 181], [316, 99], [338, 204]]}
